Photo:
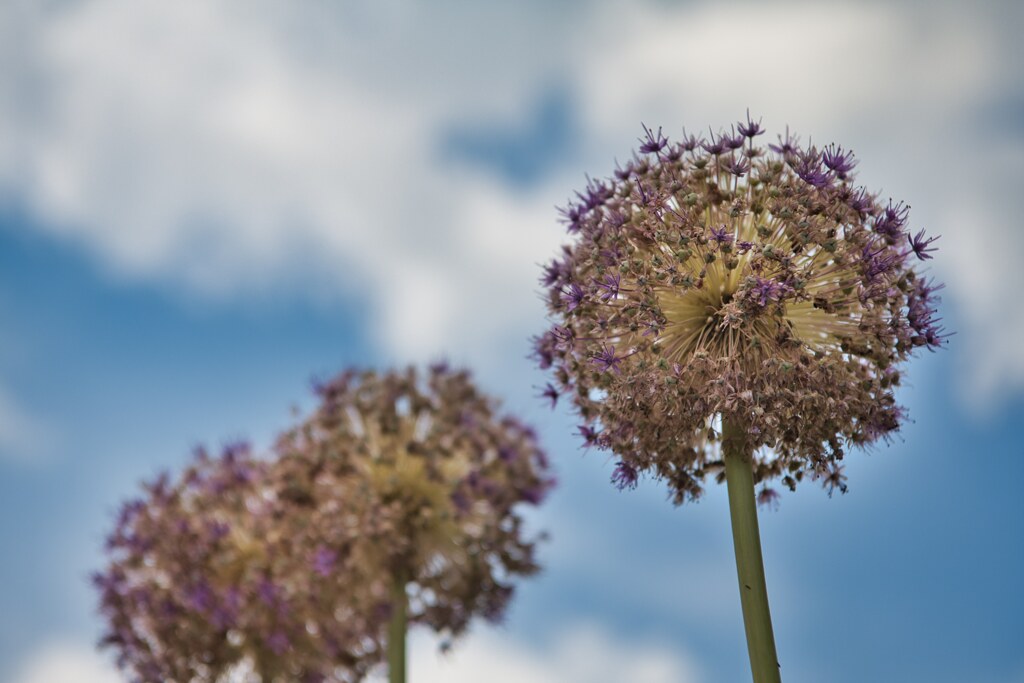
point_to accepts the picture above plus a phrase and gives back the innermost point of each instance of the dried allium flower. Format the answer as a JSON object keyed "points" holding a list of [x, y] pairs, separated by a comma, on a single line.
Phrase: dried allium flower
{"points": [[208, 581], [717, 279], [417, 481]]}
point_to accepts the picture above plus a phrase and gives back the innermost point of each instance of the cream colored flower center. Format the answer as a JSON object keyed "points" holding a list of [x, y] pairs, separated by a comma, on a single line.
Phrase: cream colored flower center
{"points": [[706, 318]]}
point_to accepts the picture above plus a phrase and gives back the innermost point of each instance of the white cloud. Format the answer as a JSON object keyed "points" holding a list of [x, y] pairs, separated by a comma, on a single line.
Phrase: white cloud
{"points": [[809, 64], [581, 654], [66, 662], [217, 145], [982, 242], [231, 145]]}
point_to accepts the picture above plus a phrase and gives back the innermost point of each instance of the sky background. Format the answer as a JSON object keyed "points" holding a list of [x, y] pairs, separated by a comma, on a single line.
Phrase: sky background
{"points": [[203, 205]]}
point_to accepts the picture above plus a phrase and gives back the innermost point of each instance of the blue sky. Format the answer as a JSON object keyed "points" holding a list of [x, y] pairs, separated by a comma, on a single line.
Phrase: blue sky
{"points": [[202, 206]]}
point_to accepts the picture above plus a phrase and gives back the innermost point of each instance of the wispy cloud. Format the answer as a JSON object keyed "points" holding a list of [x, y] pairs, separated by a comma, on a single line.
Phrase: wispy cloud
{"points": [[66, 661], [581, 654], [205, 145], [229, 146]]}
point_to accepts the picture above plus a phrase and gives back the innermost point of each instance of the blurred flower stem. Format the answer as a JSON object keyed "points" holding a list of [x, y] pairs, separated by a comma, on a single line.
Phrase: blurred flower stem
{"points": [[397, 629], [746, 538]]}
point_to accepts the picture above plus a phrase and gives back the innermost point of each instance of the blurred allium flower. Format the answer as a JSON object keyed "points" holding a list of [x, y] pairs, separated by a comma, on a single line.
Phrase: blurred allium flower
{"points": [[716, 279], [436, 475], [288, 569], [208, 581]]}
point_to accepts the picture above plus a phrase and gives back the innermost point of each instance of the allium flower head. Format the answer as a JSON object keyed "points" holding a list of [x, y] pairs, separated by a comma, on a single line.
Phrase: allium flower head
{"points": [[283, 568], [428, 477], [751, 283], [208, 582]]}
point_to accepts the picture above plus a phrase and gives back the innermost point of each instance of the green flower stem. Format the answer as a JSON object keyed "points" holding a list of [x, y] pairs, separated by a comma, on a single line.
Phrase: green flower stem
{"points": [[746, 539], [396, 631]]}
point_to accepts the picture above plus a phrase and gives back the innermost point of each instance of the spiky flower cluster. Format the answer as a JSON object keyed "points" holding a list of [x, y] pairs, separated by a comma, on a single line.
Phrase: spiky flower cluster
{"points": [[207, 581], [714, 278], [280, 569], [440, 474]]}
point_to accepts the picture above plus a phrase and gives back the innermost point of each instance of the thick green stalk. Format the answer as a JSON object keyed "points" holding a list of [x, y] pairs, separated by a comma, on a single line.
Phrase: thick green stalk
{"points": [[746, 539], [396, 631]]}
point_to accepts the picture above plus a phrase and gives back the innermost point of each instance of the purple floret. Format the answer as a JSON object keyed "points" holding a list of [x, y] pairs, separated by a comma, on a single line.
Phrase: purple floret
{"points": [[609, 286], [750, 128], [625, 476], [889, 223], [919, 245], [652, 143], [324, 561], [838, 161], [606, 359], [551, 393], [572, 296], [722, 235]]}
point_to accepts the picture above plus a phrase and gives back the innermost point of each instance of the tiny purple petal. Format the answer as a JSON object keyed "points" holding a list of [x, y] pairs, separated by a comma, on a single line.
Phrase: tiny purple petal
{"points": [[609, 287], [278, 643], [838, 161], [652, 143], [563, 337], [860, 201], [919, 245], [267, 591], [787, 146], [534, 495], [750, 129], [551, 393], [553, 272], [589, 434], [572, 215], [715, 146], [768, 498], [722, 235], [878, 263], [689, 142], [606, 359], [734, 141], [572, 296], [460, 501], [891, 220], [543, 350], [625, 476], [200, 597], [324, 561], [218, 530], [596, 195], [738, 167], [808, 168], [766, 290]]}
